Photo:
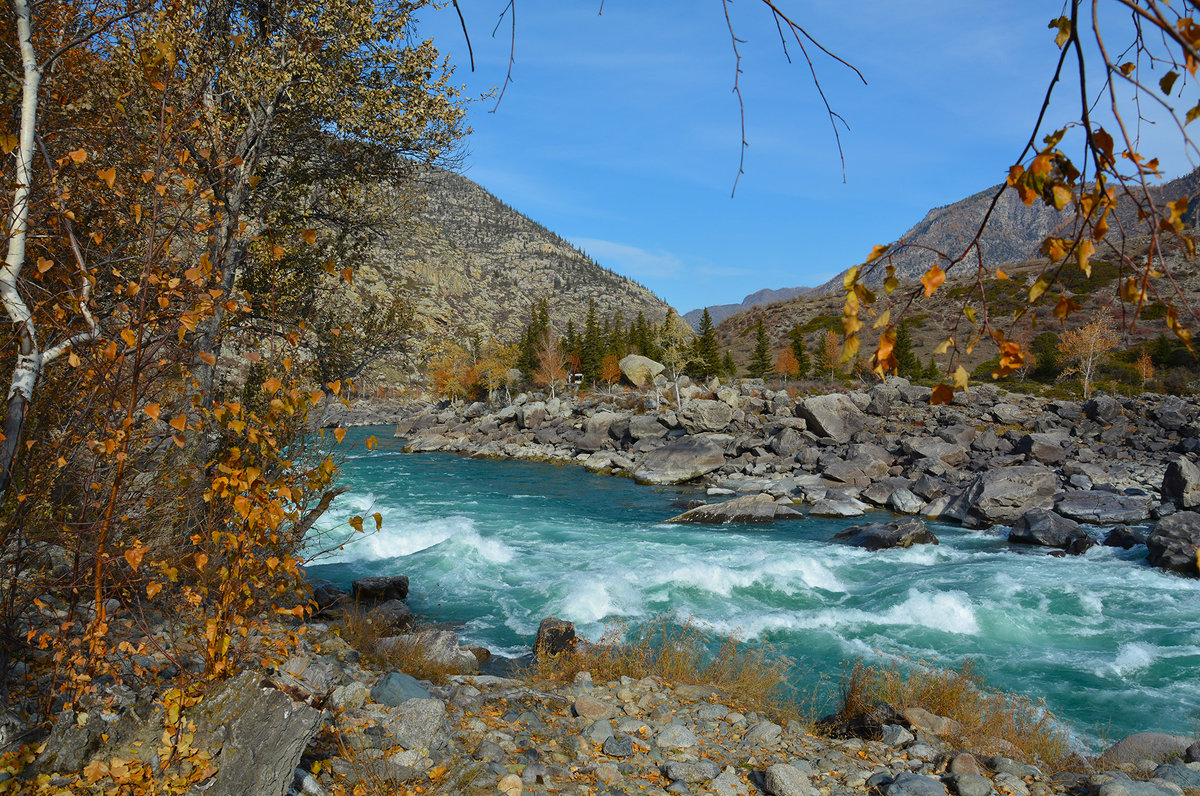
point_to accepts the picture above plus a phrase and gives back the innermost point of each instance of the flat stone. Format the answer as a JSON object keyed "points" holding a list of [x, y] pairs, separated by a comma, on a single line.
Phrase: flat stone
{"points": [[618, 746], [782, 779], [1104, 508], [834, 416], [416, 723], [679, 461], [591, 708], [395, 688], [676, 736], [691, 772], [1146, 746], [762, 734], [908, 784], [1000, 496]]}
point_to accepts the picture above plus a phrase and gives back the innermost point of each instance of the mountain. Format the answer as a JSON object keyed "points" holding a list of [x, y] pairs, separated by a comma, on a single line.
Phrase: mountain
{"points": [[719, 312], [472, 267], [1014, 232]]}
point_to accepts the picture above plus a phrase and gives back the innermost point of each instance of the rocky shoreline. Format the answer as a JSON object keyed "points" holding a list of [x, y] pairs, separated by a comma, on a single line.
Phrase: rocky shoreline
{"points": [[1055, 472]]}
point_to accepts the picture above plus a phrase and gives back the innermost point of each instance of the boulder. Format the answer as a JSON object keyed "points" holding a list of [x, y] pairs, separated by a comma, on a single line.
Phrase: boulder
{"points": [[1103, 508], [1124, 537], [380, 589], [1174, 541], [834, 416], [908, 784], [781, 779], [391, 617], [554, 637], [1181, 484], [682, 460], [1003, 494], [699, 416], [531, 415], [415, 723], [640, 371], [1008, 414], [438, 647], [1102, 409], [1044, 448], [885, 535], [839, 506], [595, 431], [747, 508], [905, 502], [934, 448], [646, 427], [327, 594], [395, 688], [260, 732], [1146, 746], [1047, 529]]}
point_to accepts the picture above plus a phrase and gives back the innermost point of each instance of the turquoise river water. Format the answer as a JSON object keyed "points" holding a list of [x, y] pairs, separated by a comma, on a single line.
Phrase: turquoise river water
{"points": [[492, 547]]}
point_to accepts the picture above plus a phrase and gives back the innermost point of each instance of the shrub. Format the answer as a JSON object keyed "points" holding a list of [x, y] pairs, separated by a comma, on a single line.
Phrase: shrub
{"points": [[991, 721]]}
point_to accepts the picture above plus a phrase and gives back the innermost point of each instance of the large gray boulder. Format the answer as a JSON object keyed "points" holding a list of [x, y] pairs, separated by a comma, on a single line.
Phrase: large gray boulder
{"points": [[1000, 496], [415, 723], [260, 732], [595, 431], [781, 779], [1103, 508], [646, 427], [682, 460], [834, 416], [1045, 448], [1173, 543], [1146, 746], [639, 370], [1181, 484], [747, 508], [885, 535], [934, 448], [700, 416], [1046, 529]]}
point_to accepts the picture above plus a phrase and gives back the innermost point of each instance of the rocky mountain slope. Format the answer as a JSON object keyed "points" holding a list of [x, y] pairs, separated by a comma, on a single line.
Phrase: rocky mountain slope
{"points": [[473, 266], [719, 312], [1014, 233]]}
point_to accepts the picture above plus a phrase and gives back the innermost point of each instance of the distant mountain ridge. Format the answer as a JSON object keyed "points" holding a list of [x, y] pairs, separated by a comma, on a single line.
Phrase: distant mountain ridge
{"points": [[720, 312]]}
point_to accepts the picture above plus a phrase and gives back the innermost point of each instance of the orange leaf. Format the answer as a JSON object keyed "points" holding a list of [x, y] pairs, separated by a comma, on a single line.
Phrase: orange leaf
{"points": [[942, 394], [932, 279], [8, 142], [153, 589], [129, 336], [272, 385], [372, 442], [339, 434], [180, 422], [309, 236], [152, 410], [356, 523], [79, 155], [134, 556], [44, 265], [109, 175]]}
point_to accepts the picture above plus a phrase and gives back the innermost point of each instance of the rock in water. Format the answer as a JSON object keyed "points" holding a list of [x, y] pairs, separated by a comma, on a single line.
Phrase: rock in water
{"points": [[1047, 529], [682, 460], [1002, 495], [1181, 484], [639, 370], [554, 637], [380, 589], [885, 535], [834, 416], [747, 508], [1103, 508], [1173, 543]]}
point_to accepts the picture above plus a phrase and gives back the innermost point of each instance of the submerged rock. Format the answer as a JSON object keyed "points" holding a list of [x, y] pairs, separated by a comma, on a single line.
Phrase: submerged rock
{"points": [[747, 508], [1103, 508], [1046, 529], [885, 535]]}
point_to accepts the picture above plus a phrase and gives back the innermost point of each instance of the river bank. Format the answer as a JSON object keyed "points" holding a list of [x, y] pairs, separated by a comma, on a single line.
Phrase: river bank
{"points": [[1062, 474]]}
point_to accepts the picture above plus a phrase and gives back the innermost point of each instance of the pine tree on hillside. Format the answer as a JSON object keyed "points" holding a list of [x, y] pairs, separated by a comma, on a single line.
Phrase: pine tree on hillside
{"points": [[618, 343], [728, 366], [593, 347], [706, 354], [799, 351], [760, 362], [907, 364], [531, 339]]}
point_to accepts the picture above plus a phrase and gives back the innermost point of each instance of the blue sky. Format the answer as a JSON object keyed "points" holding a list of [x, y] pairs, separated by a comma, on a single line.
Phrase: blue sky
{"points": [[620, 131]]}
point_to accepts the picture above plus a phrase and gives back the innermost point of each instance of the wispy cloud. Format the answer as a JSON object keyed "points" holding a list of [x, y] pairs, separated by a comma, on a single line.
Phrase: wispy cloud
{"points": [[630, 260]]}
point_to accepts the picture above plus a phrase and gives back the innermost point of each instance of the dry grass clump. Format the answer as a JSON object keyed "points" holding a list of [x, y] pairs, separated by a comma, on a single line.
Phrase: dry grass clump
{"points": [[383, 647], [682, 652], [990, 721]]}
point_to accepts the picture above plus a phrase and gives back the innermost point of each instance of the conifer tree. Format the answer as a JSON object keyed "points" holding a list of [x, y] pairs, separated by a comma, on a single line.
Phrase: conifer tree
{"points": [[728, 366], [907, 364], [799, 351], [760, 362], [931, 370], [592, 353], [618, 342], [706, 357]]}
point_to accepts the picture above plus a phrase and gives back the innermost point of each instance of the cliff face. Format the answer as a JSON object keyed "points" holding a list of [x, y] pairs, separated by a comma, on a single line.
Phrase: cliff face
{"points": [[471, 264]]}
